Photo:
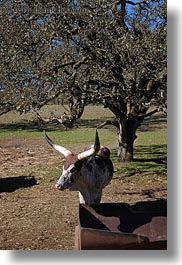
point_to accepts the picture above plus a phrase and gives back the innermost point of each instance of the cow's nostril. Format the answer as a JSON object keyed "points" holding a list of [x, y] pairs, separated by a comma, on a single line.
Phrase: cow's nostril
{"points": [[60, 187]]}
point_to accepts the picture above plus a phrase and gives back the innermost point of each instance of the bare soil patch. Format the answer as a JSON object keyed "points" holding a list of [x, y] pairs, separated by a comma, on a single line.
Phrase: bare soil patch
{"points": [[34, 215]]}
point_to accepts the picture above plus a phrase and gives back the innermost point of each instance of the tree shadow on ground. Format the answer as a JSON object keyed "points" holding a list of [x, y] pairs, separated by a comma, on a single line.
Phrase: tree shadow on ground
{"points": [[147, 160], [37, 126], [153, 153], [21, 125], [31, 126], [13, 183], [149, 124], [160, 161], [157, 205], [147, 193], [91, 123], [153, 122]]}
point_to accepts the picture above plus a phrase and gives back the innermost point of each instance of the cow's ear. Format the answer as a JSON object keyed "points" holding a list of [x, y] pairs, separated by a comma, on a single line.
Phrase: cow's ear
{"points": [[78, 165]]}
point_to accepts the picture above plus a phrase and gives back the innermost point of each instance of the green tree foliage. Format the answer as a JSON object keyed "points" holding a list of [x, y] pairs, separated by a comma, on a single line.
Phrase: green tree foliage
{"points": [[111, 52]]}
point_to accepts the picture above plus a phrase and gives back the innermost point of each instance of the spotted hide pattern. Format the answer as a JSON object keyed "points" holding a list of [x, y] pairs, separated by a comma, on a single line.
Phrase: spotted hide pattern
{"points": [[87, 176]]}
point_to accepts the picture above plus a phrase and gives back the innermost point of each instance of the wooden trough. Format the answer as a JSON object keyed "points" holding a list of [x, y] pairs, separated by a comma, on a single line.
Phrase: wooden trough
{"points": [[116, 226]]}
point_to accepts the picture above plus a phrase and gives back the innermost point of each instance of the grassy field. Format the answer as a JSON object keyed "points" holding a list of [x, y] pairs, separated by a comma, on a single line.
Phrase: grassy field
{"points": [[150, 148]]}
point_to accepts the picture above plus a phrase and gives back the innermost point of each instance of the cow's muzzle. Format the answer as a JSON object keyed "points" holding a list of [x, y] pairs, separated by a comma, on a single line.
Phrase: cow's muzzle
{"points": [[60, 187]]}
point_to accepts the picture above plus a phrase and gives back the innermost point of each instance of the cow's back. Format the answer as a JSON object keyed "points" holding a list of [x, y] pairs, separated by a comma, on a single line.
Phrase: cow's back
{"points": [[100, 171]]}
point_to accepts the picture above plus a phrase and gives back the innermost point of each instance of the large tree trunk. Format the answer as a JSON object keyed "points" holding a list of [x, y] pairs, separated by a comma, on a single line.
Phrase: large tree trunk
{"points": [[126, 126], [126, 134], [126, 137], [125, 151]]}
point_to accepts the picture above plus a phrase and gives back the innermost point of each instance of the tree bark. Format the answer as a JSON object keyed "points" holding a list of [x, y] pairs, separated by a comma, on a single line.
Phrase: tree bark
{"points": [[125, 130], [126, 126], [126, 137], [126, 134]]}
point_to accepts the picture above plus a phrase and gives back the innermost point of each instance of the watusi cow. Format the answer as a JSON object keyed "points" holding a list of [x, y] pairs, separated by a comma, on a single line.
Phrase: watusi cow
{"points": [[87, 172]]}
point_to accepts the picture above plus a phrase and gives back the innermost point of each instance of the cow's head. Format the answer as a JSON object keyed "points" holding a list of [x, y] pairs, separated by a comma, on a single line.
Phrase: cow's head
{"points": [[73, 162]]}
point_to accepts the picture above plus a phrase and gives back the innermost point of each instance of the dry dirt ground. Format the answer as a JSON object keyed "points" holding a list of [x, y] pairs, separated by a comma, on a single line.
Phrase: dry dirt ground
{"points": [[33, 214]]}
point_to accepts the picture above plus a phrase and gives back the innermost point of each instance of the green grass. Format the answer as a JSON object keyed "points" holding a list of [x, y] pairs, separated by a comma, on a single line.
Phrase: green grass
{"points": [[150, 148]]}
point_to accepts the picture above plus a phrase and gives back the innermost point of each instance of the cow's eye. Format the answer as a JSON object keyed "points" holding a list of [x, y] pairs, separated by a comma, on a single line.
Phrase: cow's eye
{"points": [[73, 170]]}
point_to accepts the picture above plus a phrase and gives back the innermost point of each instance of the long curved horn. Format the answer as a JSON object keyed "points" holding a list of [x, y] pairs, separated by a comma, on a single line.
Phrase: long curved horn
{"points": [[93, 150], [57, 147]]}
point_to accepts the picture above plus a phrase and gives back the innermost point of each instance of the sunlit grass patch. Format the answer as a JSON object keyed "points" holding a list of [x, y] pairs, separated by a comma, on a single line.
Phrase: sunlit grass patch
{"points": [[150, 148]]}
